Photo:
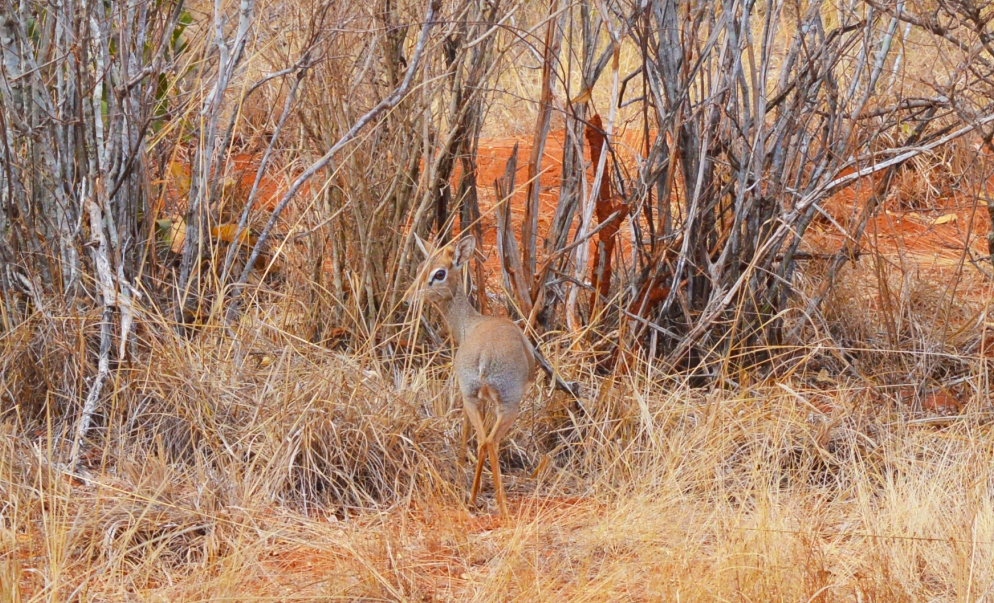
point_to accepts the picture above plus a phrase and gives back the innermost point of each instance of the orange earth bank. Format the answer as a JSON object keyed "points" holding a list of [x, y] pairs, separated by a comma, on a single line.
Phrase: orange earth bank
{"points": [[933, 237]]}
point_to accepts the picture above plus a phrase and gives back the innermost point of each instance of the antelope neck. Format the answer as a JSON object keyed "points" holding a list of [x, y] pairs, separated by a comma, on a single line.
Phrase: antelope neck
{"points": [[460, 315]]}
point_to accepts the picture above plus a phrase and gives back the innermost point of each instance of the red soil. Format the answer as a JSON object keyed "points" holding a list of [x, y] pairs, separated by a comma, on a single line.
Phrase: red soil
{"points": [[932, 238]]}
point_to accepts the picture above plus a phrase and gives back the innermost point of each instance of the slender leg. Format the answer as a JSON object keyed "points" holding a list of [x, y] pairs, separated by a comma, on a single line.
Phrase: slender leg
{"points": [[473, 412], [505, 418], [463, 455], [498, 484], [480, 455]]}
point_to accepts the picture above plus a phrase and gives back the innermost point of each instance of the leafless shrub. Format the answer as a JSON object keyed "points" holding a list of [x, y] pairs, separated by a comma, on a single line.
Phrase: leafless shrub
{"points": [[207, 221]]}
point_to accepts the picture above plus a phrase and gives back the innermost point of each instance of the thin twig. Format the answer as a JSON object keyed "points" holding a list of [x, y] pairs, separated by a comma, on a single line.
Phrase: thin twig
{"points": [[384, 105]]}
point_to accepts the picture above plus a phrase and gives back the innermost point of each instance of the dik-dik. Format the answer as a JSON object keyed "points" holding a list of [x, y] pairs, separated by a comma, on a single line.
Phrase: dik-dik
{"points": [[494, 361]]}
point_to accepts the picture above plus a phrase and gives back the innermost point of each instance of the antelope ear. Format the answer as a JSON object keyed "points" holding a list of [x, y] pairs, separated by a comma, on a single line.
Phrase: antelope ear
{"points": [[421, 244], [463, 251]]}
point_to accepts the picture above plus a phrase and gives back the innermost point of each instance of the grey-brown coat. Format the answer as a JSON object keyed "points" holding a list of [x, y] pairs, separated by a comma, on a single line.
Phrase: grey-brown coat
{"points": [[494, 360]]}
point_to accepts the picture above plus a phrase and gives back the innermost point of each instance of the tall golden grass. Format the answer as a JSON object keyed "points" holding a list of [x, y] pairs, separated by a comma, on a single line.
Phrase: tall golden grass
{"points": [[323, 476], [307, 445]]}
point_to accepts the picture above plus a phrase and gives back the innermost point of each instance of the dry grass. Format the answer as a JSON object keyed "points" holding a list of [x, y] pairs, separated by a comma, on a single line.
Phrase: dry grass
{"points": [[333, 477], [278, 459]]}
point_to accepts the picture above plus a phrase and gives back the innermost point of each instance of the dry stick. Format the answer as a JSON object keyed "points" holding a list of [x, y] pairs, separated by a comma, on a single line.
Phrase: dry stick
{"points": [[423, 206], [850, 247], [962, 260], [612, 52], [429, 176], [546, 267], [235, 243], [5, 255], [529, 225], [572, 388], [601, 268], [469, 202], [547, 263], [788, 220], [230, 130], [693, 212], [509, 256], [387, 103], [105, 283], [200, 177], [510, 265], [581, 257], [507, 250]]}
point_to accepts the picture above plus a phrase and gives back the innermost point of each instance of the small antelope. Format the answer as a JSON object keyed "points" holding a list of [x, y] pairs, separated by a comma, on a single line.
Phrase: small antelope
{"points": [[494, 361]]}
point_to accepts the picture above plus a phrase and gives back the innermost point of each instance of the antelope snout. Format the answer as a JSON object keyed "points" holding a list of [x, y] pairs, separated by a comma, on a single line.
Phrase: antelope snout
{"points": [[412, 294]]}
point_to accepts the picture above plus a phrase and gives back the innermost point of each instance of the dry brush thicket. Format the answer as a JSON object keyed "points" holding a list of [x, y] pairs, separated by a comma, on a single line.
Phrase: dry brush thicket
{"points": [[209, 380]]}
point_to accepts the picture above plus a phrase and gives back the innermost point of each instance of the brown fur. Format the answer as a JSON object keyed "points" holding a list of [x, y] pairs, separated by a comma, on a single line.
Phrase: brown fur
{"points": [[494, 360]]}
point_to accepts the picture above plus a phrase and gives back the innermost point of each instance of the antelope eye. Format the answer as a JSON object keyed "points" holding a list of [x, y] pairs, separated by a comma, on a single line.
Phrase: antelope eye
{"points": [[439, 276]]}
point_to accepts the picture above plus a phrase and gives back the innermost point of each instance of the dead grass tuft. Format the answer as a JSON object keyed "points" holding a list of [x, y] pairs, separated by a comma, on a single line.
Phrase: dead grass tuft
{"points": [[323, 475]]}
